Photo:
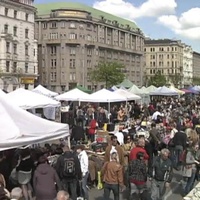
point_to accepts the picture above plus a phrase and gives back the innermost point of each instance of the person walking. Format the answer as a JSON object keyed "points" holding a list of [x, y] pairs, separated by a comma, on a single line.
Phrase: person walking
{"points": [[84, 163], [45, 180], [69, 171], [161, 175], [112, 173]]}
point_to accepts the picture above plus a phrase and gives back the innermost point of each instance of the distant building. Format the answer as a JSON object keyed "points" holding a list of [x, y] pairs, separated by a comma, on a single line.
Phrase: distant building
{"points": [[187, 65], [73, 38], [172, 58], [18, 47], [196, 65]]}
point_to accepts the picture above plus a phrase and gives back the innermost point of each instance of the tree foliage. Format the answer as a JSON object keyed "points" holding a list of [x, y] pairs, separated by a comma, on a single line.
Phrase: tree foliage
{"points": [[196, 81], [176, 80], [110, 73], [157, 80]]}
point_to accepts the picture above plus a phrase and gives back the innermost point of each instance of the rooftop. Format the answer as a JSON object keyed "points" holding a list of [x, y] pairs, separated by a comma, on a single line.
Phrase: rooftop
{"points": [[45, 9], [162, 41]]}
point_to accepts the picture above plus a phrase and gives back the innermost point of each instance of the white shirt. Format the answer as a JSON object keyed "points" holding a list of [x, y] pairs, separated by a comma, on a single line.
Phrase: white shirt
{"points": [[120, 137], [155, 115], [113, 150], [83, 158]]}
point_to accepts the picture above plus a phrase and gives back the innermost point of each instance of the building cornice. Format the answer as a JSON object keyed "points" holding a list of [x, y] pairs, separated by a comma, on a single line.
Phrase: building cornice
{"points": [[19, 4], [40, 19]]}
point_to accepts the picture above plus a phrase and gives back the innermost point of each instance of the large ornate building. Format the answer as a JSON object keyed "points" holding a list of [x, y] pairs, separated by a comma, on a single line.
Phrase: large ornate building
{"points": [[18, 47], [73, 38], [172, 58], [196, 65]]}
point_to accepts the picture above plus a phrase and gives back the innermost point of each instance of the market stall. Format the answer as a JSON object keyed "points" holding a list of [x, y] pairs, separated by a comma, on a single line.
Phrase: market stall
{"points": [[20, 128], [42, 90], [27, 99]]}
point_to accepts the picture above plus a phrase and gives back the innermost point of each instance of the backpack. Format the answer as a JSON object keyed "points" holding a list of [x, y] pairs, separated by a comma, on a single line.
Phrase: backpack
{"points": [[69, 167]]}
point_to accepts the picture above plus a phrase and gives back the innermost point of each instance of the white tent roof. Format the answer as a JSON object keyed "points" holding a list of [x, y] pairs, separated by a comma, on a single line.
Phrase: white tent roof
{"points": [[164, 91], [128, 95], [42, 90], [114, 88], [135, 90], [144, 90], [104, 95], [73, 95], [19, 127], [27, 99], [151, 88]]}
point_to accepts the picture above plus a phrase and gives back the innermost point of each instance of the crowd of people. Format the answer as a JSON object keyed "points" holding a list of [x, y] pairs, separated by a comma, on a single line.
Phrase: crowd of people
{"points": [[150, 144]]}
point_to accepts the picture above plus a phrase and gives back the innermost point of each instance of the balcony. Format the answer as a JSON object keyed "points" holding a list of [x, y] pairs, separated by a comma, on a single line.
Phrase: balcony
{"points": [[72, 41], [53, 41], [90, 43], [118, 48]]}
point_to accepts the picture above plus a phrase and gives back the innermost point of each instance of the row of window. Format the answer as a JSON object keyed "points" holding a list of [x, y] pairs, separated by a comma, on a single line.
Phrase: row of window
{"points": [[15, 31], [15, 49], [15, 14], [76, 51], [73, 64], [153, 49], [161, 64], [168, 71], [72, 76], [46, 25], [161, 56], [74, 36], [14, 68]]}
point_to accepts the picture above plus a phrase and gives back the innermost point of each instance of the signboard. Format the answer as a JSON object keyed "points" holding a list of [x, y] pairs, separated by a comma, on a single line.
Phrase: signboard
{"points": [[27, 80], [72, 14]]}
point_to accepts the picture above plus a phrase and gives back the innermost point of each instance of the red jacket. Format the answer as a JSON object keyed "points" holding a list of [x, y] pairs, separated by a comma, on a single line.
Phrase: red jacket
{"points": [[137, 149], [92, 125]]}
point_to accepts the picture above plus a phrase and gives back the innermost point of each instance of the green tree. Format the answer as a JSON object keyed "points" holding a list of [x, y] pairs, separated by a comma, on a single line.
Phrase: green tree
{"points": [[157, 80], [110, 73], [176, 79], [196, 81]]}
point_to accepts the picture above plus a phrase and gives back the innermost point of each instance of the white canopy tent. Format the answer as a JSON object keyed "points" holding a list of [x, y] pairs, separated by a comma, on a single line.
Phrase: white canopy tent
{"points": [[114, 88], [20, 128], [42, 90], [164, 91], [27, 99], [73, 95], [104, 96], [129, 96], [135, 90], [150, 89]]}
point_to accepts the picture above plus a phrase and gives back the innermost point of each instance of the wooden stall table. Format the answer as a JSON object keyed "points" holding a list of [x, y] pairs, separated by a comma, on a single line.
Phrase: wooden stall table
{"points": [[194, 193]]}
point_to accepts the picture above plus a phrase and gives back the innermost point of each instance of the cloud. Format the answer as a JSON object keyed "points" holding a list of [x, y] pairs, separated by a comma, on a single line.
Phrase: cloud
{"points": [[150, 8], [187, 25]]}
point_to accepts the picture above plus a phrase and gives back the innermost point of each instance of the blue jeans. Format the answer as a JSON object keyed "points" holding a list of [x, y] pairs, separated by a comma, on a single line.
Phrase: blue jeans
{"points": [[190, 183], [84, 186], [71, 187], [178, 151], [111, 187]]}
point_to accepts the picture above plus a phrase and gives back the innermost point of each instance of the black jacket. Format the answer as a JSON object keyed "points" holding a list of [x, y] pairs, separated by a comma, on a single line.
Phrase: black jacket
{"points": [[60, 166], [180, 138], [162, 170], [77, 133]]}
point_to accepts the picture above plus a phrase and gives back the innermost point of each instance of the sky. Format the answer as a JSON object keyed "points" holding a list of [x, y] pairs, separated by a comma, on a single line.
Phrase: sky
{"points": [[158, 19]]}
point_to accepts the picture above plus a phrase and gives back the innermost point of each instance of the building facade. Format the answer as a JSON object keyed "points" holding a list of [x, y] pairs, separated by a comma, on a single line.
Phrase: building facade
{"points": [[172, 58], [18, 47], [187, 65], [73, 41], [196, 65]]}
